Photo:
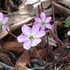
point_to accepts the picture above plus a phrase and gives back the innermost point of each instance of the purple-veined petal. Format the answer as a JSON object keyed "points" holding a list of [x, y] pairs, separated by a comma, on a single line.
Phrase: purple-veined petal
{"points": [[31, 1], [5, 20], [3, 28], [43, 16], [35, 42], [27, 45], [22, 38], [40, 34], [48, 19], [68, 33], [26, 30], [1, 17], [38, 20], [36, 4], [35, 28], [49, 26]]}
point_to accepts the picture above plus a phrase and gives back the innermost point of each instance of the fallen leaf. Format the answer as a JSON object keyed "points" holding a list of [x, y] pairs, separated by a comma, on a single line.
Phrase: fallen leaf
{"points": [[51, 41], [5, 58], [22, 61], [41, 53], [13, 46]]}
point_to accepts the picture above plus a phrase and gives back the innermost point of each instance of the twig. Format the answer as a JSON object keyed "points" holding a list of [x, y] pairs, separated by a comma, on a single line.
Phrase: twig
{"points": [[47, 47], [55, 27], [6, 66], [62, 9], [39, 57], [56, 38], [39, 11], [41, 7], [60, 43], [38, 68], [58, 67], [11, 33]]}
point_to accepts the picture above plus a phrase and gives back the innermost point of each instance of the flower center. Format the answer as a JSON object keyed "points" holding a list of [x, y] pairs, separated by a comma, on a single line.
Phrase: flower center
{"points": [[31, 37], [0, 27], [43, 23]]}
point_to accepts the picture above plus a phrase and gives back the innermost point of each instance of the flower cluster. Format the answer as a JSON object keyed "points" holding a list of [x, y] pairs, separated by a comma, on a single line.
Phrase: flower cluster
{"points": [[31, 37], [3, 21]]}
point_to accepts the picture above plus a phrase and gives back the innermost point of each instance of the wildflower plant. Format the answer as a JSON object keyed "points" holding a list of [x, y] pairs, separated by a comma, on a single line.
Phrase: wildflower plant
{"points": [[32, 36]]}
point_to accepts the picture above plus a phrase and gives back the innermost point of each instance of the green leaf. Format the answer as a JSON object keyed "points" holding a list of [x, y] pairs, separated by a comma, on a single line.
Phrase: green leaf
{"points": [[67, 22]]}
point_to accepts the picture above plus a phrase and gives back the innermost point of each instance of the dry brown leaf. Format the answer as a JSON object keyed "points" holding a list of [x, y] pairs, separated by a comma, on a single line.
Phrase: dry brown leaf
{"points": [[41, 52], [22, 61], [13, 46], [5, 58], [65, 2], [52, 42], [61, 9], [3, 34]]}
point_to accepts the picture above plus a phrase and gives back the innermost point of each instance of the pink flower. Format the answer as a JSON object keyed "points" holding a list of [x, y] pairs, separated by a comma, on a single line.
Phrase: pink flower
{"points": [[3, 21], [30, 36], [34, 2], [68, 33], [43, 21]]}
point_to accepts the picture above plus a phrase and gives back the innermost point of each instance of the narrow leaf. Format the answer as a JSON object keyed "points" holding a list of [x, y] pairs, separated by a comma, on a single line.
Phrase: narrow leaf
{"points": [[67, 22]]}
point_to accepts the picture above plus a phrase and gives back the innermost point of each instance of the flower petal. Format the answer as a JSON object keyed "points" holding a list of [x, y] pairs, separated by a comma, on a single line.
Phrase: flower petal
{"points": [[35, 29], [43, 16], [36, 42], [22, 38], [43, 28], [48, 26], [25, 30], [68, 33], [27, 45], [5, 20], [1, 17], [48, 19], [3, 28], [40, 34], [38, 20]]}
